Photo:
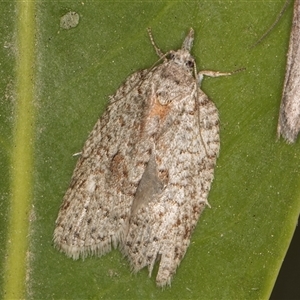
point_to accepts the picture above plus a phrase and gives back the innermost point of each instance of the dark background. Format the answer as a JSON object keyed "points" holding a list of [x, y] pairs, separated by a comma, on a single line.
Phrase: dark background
{"points": [[288, 282]]}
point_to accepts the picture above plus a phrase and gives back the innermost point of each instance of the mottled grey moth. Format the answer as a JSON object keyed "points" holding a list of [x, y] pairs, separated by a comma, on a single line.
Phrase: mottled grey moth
{"points": [[146, 169], [289, 114]]}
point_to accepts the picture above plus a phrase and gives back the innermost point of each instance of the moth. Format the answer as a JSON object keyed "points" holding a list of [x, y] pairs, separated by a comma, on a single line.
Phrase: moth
{"points": [[145, 171], [289, 113]]}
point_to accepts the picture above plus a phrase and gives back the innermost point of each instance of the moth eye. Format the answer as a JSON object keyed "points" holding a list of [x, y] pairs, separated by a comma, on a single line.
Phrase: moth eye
{"points": [[172, 56], [190, 64]]}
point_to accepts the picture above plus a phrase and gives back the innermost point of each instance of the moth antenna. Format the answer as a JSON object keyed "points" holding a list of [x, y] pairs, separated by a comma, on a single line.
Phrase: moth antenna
{"points": [[157, 50]]}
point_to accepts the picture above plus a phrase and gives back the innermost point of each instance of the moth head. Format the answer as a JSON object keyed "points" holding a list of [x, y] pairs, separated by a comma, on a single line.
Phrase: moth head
{"points": [[183, 58]]}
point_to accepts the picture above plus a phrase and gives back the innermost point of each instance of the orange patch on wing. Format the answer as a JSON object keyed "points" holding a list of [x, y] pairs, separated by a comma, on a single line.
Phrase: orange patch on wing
{"points": [[157, 109]]}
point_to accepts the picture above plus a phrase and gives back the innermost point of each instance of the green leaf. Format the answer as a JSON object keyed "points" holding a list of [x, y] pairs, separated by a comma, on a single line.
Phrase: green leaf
{"points": [[239, 244]]}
